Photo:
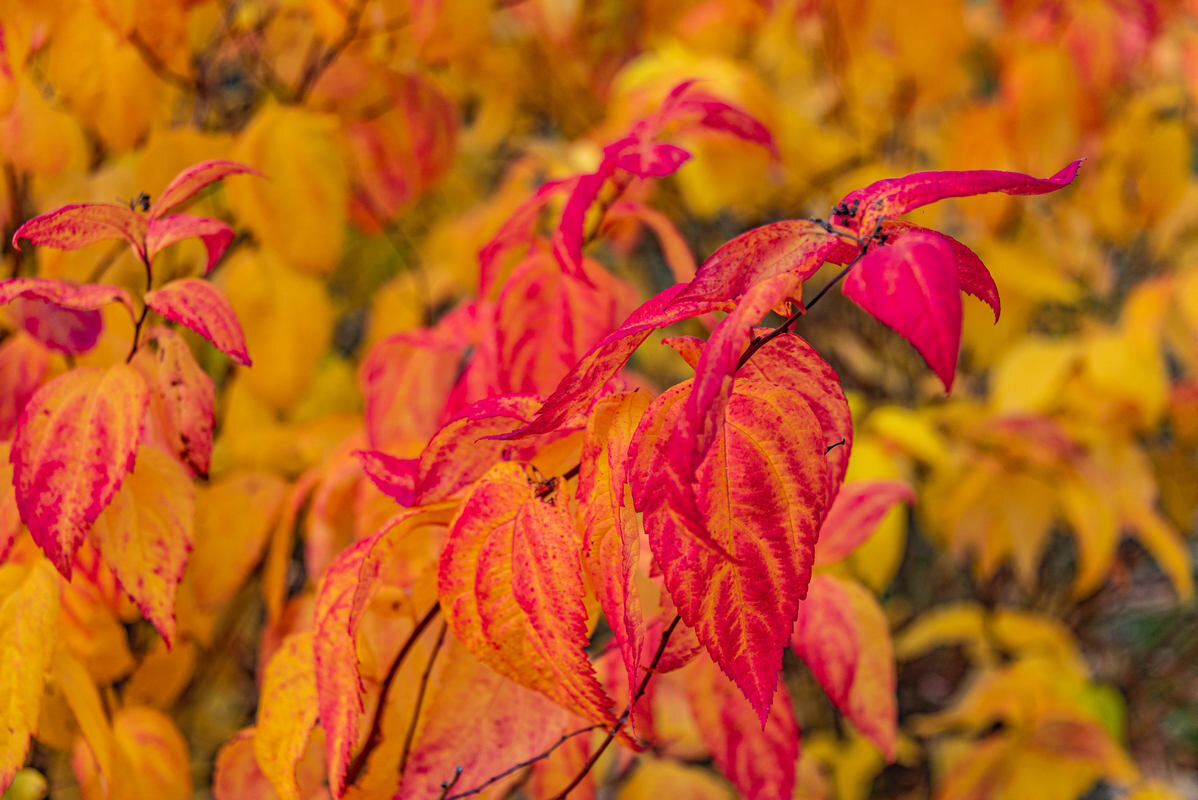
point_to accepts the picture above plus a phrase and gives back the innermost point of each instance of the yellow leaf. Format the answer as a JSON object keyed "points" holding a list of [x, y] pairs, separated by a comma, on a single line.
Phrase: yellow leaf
{"points": [[654, 779], [151, 760], [298, 213], [81, 695], [1031, 373], [286, 713], [28, 619], [38, 138], [145, 535], [286, 319], [161, 676]]}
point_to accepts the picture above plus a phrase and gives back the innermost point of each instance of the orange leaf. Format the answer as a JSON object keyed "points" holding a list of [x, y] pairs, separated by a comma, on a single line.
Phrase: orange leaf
{"points": [[24, 365], [237, 775], [151, 760], [199, 305], [479, 722], [757, 756], [611, 532], [75, 442], [28, 626], [511, 590], [145, 535], [286, 713]]}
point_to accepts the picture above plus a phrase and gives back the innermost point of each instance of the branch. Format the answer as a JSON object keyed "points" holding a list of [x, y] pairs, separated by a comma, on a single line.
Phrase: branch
{"points": [[784, 326], [158, 66], [428, 669], [376, 734], [317, 65], [447, 785]]}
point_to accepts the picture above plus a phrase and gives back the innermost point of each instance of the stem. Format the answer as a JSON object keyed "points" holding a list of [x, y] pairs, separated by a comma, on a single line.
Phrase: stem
{"points": [[355, 767], [145, 310], [158, 66], [517, 767], [611, 734], [784, 326], [428, 669]]}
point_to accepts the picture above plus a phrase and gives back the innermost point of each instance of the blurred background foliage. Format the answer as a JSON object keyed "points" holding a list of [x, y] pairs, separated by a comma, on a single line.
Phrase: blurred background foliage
{"points": [[1041, 589]]}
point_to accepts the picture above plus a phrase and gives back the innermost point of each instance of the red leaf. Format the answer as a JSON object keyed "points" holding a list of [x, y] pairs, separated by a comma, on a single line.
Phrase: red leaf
{"points": [[166, 231], [576, 392], [63, 329], [611, 533], [826, 637], [718, 115], [759, 757], [870, 703], [511, 590], [406, 380], [760, 495], [75, 443], [338, 680], [650, 159], [516, 231], [76, 296], [972, 274], [80, 224], [394, 477], [194, 178], [796, 246], [183, 396], [856, 512], [201, 306], [912, 287], [893, 197], [568, 238], [673, 246]]}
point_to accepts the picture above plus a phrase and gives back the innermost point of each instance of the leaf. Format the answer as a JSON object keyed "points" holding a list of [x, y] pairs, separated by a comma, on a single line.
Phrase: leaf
{"points": [[394, 477], [611, 532], [202, 307], [406, 380], [75, 442], [511, 590], [237, 775], [338, 681], [300, 213], [756, 752], [894, 197], [462, 450], [166, 231], [80, 224], [480, 722], [760, 495], [28, 627], [912, 287], [651, 159], [576, 391], [826, 637], [972, 274], [796, 246], [63, 329], [146, 533], [234, 517], [182, 397], [151, 759], [79, 297], [855, 513], [24, 365], [83, 698], [287, 711], [191, 180], [674, 247]]}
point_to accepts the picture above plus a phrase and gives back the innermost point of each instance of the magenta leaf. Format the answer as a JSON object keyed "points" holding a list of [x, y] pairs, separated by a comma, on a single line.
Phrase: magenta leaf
{"points": [[165, 231], [855, 514], [184, 185], [76, 296], [392, 475], [912, 287], [80, 224]]}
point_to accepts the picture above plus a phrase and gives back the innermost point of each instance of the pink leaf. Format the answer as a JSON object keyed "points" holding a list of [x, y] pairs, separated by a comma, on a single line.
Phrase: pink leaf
{"points": [[568, 238], [80, 224], [912, 287], [972, 274], [75, 296], [391, 475], [166, 231], [199, 305], [856, 512], [825, 637], [893, 197], [194, 178], [651, 159], [57, 327], [673, 246]]}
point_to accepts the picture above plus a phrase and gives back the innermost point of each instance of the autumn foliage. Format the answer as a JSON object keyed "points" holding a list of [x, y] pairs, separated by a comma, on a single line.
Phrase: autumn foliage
{"points": [[387, 439]]}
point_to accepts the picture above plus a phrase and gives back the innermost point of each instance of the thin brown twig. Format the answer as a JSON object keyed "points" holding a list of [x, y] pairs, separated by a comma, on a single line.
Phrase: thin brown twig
{"points": [[428, 670], [145, 309], [517, 767], [158, 66], [611, 734], [359, 761], [322, 61]]}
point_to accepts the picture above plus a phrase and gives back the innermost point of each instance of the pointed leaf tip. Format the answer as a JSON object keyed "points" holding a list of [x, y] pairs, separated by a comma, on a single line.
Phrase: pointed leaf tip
{"points": [[201, 306]]}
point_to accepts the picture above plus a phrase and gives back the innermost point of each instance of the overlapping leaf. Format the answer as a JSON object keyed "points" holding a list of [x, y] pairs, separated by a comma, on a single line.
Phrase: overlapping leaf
{"points": [[28, 616], [202, 307], [182, 397], [286, 713], [75, 443]]}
